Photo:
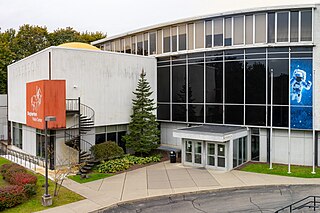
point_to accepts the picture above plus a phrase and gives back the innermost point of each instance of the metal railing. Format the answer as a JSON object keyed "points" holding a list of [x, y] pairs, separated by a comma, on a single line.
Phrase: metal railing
{"points": [[311, 202], [24, 159], [84, 110], [82, 144]]}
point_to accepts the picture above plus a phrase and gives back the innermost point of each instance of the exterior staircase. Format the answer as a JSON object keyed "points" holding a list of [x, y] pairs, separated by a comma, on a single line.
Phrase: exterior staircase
{"points": [[73, 134]]}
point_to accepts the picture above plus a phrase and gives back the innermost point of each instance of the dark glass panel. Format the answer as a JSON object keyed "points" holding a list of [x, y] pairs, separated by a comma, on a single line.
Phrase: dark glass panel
{"points": [[282, 26], [140, 48], [182, 42], [256, 50], [214, 114], [280, 81], [218, 39], [153, 43], [179, 83], [174, 43], [166, 44], [100, 138], [121, 142], [163, 112], [178, 59], [256, 82], [195, 87], [301, 49], [255, 150], [214, 56], [234, 82], [278, 50], [195, 113], [163, 61], [256, 115], [306, 25], [214, 82], [195, 57], [178, 112], [234, 114], [301, 55], [294, 26], [271, 27], [234, 54], [146, 47], [163, 83], [112, 136], [280, 116]]}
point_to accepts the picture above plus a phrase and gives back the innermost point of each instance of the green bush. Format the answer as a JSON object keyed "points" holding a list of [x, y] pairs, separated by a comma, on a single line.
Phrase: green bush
{"points": [[124, 163], [30, 189], [106, 151]]}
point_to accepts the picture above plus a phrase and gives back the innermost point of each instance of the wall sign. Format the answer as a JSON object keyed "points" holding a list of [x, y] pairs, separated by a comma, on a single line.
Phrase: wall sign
{"points": [[46, 98]]}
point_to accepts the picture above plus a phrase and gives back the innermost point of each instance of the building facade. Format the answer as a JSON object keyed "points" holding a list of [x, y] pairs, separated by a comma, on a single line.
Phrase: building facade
{"points": [[230, 87], [254, 68]]}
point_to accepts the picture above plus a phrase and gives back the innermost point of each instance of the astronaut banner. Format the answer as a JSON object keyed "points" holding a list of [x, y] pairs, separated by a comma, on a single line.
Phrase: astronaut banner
{"points": [[301, 93]]}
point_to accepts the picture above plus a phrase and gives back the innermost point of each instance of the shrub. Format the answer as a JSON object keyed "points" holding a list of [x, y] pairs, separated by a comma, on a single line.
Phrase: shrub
{"points": [[22, 179], [4, 168], [106, 151], [30, 189], [11, 196], [124, 163], [13, 168]]}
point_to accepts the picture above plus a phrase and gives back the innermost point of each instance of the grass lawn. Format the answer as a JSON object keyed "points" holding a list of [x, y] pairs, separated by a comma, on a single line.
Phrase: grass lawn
{"points": [[92, 177], [34, 203], [278, 169]]}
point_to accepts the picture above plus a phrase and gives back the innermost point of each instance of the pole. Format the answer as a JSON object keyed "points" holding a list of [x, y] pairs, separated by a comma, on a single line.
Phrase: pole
{"points": [[313, 130], [46, 156], [289, 125], [271, 119]]}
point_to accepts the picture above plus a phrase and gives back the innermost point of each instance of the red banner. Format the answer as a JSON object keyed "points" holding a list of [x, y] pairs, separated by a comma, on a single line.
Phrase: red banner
{"points": [[46, 98]]}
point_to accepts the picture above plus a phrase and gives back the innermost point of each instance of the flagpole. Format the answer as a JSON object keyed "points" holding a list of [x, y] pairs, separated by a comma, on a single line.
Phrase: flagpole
{"points": [[271, 120]]}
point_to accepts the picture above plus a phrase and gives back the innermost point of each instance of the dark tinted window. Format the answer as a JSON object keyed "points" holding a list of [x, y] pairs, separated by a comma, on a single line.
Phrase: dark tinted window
{"points": [[195, 113], [271, 27], [234, 114], [214, 82], [280, 81], [174, 43], [256, 82], [214, 114], [306, 26], [153, 43], [280, 116], [163, 79], [178, 112], [140, 48], [294, 26], [163, 112], [234, 82], [182, 42], [283, 26], [179, 83], [256, 115], [196, 87]]}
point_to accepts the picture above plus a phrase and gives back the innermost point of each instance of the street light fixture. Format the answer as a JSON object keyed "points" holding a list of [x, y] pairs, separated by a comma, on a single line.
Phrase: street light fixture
{"points": [[46, 198]]}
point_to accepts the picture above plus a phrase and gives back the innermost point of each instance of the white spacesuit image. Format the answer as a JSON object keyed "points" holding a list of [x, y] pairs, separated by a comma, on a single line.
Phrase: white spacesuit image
{"points": [[298, 83]]}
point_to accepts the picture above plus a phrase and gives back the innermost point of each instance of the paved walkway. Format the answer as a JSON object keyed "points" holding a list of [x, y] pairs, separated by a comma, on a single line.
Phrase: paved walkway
{"points": [[163, 179]]}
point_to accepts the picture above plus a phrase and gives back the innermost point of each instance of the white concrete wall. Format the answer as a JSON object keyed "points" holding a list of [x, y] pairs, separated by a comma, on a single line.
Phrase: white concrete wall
{"points": [[63, 153], [301, 147], [104, 81], [263, 145], [32, 68], [316, 67], [167, 134]]}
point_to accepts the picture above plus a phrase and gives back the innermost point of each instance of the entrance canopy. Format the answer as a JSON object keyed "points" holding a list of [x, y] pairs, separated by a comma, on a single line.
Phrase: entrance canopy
{"points": [[218, 133]]}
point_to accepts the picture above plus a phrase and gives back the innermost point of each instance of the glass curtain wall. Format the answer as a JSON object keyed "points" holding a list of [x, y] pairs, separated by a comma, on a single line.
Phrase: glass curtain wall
{"points": [[227, 87], [17, 134], [182, 37]]}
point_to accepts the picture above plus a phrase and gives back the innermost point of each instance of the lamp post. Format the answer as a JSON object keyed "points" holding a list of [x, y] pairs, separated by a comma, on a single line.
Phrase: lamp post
{"points": [[46, 198]]}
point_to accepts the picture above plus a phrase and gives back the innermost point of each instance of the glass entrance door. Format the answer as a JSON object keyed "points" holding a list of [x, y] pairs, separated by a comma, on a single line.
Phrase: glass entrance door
{"points": [[193, 152], [216, 155]]}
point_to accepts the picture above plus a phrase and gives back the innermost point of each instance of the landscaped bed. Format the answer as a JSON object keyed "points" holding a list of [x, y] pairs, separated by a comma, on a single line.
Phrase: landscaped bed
{"points": [[280, 169], [33, 203]]}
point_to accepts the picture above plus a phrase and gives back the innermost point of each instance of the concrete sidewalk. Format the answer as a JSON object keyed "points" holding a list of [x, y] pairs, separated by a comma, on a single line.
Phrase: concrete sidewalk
{"points": [[163, 179]]}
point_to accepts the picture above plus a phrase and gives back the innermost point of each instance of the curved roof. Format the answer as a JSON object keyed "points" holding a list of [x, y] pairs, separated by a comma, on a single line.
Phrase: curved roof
{"points": [[79, 45]]}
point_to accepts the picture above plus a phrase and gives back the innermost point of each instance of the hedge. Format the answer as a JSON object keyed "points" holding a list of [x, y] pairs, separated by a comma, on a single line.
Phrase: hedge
{"points": [[11, 196], [106, 151], [23, 185]]}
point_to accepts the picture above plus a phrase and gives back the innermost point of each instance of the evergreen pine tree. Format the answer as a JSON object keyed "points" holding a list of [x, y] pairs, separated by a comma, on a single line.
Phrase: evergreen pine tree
{"points": [[143, 133]]}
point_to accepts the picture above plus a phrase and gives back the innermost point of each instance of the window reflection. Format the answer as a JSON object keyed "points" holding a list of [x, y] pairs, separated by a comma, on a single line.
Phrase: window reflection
{"points": [[218, 32], [182, 37]]}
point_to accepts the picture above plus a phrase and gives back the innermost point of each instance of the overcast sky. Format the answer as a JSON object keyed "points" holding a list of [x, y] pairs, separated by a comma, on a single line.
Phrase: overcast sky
{"points": [[116, 16]]}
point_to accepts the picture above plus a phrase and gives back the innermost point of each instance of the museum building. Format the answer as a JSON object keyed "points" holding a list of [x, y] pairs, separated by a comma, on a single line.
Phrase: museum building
{"points": [[229, 87]]}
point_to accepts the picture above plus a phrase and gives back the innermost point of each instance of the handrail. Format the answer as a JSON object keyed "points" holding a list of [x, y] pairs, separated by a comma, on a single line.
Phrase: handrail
{"points": [[313, 201], [83, 146], [73, 105], [22, 158]]}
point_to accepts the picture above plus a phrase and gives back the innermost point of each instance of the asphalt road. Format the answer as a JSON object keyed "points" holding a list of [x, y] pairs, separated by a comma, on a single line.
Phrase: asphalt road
{"points": [[254, 199]]}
